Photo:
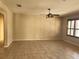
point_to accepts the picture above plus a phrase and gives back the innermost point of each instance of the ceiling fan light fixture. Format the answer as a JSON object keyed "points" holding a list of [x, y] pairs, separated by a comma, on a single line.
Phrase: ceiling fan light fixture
{"points": [[50, 15]]}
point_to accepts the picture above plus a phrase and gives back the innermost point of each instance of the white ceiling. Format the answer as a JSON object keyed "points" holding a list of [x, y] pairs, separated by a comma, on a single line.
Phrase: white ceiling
{"points": [[40, 6]]}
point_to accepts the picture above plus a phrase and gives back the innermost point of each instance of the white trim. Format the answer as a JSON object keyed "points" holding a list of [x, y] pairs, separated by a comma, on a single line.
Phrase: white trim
{"points": [[8, 44], [29, 39], [72, 42]]}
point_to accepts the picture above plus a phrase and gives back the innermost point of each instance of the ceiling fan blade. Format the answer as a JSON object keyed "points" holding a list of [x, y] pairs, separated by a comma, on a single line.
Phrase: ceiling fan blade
{"points": [[55, 14]]}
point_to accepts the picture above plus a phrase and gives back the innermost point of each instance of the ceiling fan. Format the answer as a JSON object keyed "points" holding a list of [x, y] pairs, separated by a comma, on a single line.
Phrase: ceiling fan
{"points": [[50, 15]]}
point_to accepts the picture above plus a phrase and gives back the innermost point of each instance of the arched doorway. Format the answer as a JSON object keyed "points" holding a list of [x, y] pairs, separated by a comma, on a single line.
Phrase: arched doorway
{"points": [[1, 30]]}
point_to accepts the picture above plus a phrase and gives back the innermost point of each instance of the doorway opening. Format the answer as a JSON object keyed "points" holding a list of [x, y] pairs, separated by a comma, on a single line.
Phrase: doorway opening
{"points": [[1, 30]]}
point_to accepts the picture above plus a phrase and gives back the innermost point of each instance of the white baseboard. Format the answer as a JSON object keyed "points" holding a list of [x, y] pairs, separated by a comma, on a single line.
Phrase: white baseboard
{"points": [[30, 39], [8, 44], [72, 42]]}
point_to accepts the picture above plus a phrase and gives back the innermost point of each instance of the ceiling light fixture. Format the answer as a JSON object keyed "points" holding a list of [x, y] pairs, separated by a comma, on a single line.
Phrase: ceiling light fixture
{"points": [[50, 15], [19, 4]]}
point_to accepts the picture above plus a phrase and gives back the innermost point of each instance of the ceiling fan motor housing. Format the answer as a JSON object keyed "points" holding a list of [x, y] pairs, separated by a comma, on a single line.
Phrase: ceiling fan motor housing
{"points": [[49, 15]]}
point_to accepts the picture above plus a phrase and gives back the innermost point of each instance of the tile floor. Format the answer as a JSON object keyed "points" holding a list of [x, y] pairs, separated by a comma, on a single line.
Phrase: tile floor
{"points": [[40, 50]]}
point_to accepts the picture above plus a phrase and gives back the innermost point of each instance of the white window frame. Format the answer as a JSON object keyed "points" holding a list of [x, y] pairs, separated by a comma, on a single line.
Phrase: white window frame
{"points": [[74, 29]]}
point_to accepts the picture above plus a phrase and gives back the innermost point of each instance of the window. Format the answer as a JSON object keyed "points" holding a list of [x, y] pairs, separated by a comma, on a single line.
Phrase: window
{"points": [[77, 28], [73, 27]]}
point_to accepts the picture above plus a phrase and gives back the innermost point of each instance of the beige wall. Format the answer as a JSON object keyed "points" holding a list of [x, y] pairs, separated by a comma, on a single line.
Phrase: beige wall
{"points": [[69, 39], [7, 23], [36, 27]]}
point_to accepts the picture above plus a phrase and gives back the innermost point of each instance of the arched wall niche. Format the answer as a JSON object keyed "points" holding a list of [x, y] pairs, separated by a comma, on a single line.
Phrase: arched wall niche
{"points": [[8, 23]]}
